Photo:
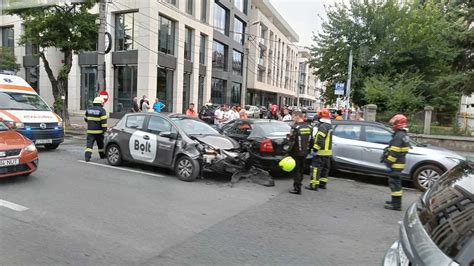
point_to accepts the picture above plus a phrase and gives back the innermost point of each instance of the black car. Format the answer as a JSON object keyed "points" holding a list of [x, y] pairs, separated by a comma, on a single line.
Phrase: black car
{"points": [[173, 141], [438, 229], [267, 139]]}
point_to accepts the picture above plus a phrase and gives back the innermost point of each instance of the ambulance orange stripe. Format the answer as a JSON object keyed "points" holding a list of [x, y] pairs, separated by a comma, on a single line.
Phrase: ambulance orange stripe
{"points": [[16, 87], [12, 117], [58, 117]]}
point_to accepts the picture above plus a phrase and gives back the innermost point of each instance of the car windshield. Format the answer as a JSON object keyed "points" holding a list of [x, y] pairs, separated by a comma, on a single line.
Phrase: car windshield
{"points": [[3, 127], [247, 107], [273, 128], [22, 101], [444, 210], [194, 127]]}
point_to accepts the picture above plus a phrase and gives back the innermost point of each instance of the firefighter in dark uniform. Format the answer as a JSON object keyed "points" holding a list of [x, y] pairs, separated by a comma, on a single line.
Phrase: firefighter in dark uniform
{"points": [[96, 118], [299, 147], [394, 157], [322, 152]]}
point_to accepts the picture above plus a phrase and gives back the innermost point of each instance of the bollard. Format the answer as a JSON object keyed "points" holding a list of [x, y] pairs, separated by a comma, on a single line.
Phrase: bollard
{"points": [[427, 126], [371, 112]]}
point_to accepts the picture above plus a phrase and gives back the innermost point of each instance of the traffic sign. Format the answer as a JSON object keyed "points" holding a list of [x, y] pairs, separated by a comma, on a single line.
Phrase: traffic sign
{"points": [[104, 95], [339, 89]]}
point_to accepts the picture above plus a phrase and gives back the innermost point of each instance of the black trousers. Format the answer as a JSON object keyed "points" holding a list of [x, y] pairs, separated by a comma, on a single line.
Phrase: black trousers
{"points": [[395, 182], [298, 172], [320, 171], [91, 138]]}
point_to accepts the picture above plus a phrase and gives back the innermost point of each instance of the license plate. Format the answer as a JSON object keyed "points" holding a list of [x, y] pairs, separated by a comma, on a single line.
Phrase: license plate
{"points": [[43, 141], [10, 162]]}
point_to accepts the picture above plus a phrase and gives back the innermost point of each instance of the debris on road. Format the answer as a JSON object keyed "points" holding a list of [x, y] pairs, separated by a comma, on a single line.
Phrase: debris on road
{"points": [[256, 175]]}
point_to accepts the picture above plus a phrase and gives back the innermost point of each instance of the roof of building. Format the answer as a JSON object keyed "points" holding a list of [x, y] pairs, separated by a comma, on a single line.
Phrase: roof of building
{"points": [[270, 12]]}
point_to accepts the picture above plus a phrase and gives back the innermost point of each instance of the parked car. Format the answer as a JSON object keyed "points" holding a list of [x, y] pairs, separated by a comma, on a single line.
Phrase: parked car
{"points": [[18, 154], [438, 229], [252, 111], [266, 137], [172, 141], [358, 147]]}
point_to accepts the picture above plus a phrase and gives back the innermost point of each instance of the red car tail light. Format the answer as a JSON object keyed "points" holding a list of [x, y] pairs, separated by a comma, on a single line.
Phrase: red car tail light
{"points": [[266, 146]]}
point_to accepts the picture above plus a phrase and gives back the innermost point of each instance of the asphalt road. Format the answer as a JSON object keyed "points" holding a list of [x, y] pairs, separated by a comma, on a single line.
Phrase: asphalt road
{"points": [[89, 214]]}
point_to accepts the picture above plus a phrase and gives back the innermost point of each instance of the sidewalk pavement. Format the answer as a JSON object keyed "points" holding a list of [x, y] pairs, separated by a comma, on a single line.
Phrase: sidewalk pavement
{"points": [[79, 126]]}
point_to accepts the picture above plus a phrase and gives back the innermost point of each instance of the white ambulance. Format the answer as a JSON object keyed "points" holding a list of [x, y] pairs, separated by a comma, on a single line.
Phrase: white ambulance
{"points": [[28, 113]]}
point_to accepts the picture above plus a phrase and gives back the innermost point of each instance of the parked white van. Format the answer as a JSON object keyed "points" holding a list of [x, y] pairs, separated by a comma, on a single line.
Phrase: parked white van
{"points": [[27, 111]]}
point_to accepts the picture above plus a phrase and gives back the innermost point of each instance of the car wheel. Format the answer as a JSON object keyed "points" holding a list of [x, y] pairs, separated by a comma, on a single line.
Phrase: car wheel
{"points": [[425, 176], [114, 155], [51, 146], [187, 169]]}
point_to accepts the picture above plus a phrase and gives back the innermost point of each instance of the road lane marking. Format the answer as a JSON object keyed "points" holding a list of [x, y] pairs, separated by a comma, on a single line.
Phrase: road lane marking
{"points": [[122, 169], [12, 206]]}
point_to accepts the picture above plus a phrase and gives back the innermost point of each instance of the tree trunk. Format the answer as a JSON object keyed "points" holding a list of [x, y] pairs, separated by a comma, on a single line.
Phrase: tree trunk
{"points": [[52, 79], [63, 82]]}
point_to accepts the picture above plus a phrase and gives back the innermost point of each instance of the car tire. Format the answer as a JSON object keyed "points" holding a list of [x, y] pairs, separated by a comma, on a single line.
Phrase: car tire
{"points": [[114, 155], [50, 147], [187, 169], [425, 176]]}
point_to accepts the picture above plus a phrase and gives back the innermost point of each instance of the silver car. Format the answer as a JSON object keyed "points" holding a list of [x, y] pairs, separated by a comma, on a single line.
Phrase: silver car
{"points": [[252, 111], [358, 147]]}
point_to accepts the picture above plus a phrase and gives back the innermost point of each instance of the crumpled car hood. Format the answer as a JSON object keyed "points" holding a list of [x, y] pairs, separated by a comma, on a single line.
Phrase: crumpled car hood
{"points": [[218, 142]]}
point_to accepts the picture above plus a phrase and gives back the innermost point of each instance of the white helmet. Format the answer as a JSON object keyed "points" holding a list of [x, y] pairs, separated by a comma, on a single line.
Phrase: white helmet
{"points": [[98, 100]]}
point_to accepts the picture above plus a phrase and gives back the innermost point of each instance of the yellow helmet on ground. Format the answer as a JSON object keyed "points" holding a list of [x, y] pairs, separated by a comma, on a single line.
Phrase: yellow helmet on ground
{"points": [[98, 100], [287, 164]]}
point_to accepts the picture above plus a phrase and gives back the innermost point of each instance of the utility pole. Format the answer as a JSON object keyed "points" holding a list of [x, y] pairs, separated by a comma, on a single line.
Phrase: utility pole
{"points": [[349, 76], [101, 46]]}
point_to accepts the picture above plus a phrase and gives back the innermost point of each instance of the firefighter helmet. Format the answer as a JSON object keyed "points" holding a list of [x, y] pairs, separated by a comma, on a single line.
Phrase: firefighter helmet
{"points": [[324, 113], [98, 100], [399, 121], [287, 164]]}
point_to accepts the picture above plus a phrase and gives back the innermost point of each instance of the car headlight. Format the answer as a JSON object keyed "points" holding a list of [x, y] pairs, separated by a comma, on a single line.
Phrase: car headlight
{"points": [[30, 148], [60, 124], [19, 125]]}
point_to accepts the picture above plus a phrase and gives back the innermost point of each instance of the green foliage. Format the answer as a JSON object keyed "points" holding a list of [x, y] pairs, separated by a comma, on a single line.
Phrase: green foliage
{"points": [[8, 60], [389, 39]]}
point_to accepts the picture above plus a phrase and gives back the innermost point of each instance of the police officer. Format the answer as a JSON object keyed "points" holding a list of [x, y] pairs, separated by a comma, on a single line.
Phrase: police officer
{"points": [[96, 118], [299, 147], [322, 152], [394, 158]]}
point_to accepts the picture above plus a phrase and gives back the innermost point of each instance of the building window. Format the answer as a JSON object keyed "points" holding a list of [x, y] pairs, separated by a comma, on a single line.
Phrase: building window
{"points": [[125, 32], [221, 19], [164, 87], [202, 50], [241, 5], [190, 7], [236, 93], [218, 91], [237, 63], [166, 36], [186, 90], [260, 75], [125, 87], [32, 77], [173, 2], [7, 38], [239, 30], [219, 56], [31, 49], [204, 10], [201, 91], [188, 43]]}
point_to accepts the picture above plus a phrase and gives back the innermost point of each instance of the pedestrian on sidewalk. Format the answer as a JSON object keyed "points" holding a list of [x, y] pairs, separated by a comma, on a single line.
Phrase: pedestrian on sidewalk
{"points": [[141, 101], [135, 108], [190, 111], [146, 106], [158, 106], [96, 118], [286, 115]]}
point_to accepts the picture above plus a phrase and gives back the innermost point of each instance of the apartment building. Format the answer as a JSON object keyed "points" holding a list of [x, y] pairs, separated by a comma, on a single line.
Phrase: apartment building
{"points": [[309, 85], [273, 68]]}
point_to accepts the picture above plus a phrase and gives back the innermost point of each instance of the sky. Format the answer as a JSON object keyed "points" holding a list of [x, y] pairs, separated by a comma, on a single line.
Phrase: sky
{"points": [[302, 15]]}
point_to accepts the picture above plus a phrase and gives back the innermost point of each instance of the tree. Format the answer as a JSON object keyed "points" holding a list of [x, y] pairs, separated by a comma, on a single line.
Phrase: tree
{"points": [[8, 60], [68, 27]]}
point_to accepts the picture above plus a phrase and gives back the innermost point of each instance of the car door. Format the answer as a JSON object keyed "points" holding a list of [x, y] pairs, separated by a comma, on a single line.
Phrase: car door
{"points": [[347, 146], [134, 124], [377, 139], [164, 136]]}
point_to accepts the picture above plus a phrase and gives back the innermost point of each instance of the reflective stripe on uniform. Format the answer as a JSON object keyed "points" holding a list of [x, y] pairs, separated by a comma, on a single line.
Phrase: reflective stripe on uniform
{"points": [[95, 131], [314, 177], [317, 147], [102, 117], [324, 152], [104, 125], [399, 149], [398, 166], [101, 150], [397, 193], [322, 134], [391, 158], [92, 118], [323, 179], [88, 150]]}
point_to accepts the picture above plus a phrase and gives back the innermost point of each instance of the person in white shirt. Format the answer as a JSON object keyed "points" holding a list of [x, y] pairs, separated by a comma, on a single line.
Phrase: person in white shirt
{"points": [[233, 114], [219, 116], [286, 115]]}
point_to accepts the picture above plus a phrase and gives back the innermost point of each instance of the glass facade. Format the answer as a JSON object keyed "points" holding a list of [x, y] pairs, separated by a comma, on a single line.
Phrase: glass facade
{"points": [[201, 91], [125, 32], [236, 93], [7, 38], [190, 7], [32, 77], [167, 35], [125, 87], [202, 49], [204, 10], [218, 91], [219, 56], [188, 43], [164, 87], [88, 86], [237, 58], [186, 90], [239, 30], [241, 5], [173, 2], [221, 19]]}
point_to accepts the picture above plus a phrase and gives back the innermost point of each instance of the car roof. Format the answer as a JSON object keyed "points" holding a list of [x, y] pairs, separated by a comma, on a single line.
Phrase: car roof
{"points": [[354, 122], [260, 121], [164, 114]]}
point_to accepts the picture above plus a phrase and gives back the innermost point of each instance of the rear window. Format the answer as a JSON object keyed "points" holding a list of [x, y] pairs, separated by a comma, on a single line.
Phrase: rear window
{"points": [[135, 121], [448, 213], [271, 129]]}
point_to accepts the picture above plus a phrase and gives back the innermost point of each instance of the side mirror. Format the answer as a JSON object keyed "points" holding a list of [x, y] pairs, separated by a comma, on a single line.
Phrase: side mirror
{"points": [[168, 134]]}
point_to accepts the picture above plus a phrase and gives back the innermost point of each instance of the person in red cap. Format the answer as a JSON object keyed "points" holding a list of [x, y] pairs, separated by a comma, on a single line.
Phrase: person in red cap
{"points": [[394, 157]]}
